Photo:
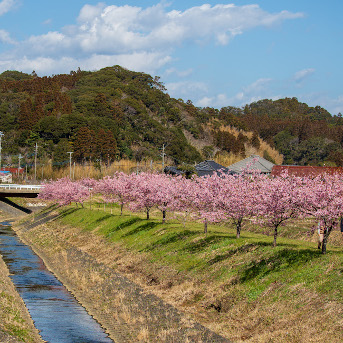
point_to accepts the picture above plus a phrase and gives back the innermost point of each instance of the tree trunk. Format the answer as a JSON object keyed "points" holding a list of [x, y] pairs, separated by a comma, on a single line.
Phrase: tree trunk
{"points": [[164, 216], [324, 245], [238, 229], [205, 227], [275, 236], [325, 239], [147, 214], [121, 209]]}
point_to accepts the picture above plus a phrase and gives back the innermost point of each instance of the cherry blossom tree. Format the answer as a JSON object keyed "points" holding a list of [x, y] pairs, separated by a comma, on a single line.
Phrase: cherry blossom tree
{"points": [[64, 191], [143, 192], [165, 188], [269, 200], [236, 198], [275, 201], [118, 189], [202, 196], [182, 199], [322, 198]]}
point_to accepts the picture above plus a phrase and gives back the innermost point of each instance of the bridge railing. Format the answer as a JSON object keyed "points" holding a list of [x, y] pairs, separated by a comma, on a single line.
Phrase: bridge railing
{"points": [[21, 187]]}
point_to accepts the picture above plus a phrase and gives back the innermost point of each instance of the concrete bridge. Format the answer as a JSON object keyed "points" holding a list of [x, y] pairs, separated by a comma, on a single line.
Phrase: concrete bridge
{"points": [[8, 207], [19, 191]]}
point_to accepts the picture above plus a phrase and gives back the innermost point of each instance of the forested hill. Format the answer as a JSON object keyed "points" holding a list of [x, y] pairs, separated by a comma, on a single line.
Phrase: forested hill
{"points": [[115, 113]]}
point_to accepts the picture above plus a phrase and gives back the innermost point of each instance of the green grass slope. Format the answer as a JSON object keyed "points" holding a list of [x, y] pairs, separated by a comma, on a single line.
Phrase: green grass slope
{"points": [[242, 288]]}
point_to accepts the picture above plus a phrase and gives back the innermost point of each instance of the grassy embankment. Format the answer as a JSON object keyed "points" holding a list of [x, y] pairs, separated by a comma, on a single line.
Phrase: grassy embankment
{"points": [[243, 289]]}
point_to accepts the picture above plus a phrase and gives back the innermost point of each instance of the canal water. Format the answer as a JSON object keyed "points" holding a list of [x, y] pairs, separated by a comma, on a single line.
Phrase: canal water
{"points": [[55, 312]]}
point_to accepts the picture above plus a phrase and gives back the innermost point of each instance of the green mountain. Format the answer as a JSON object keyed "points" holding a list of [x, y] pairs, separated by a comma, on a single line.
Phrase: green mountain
{"points": [[115, 113]]}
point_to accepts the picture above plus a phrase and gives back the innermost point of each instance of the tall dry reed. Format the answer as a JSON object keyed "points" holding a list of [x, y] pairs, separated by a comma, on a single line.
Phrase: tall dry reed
{"points": [[79, 171]]}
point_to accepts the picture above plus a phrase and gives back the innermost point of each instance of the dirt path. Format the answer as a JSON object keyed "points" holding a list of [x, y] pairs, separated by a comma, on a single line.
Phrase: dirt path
{"points": [[127, 311]]}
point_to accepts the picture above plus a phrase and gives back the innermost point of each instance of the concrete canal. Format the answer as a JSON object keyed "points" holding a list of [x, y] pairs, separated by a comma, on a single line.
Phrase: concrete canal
{"points": [[55, 312]]}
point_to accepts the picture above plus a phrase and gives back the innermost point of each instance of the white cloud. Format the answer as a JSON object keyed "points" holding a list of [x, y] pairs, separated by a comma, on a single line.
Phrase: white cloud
{"points": [[332, 104], [122, 33], [178, 73], [5, 37], [205, 102], [189, 89], [6, 6], [47, 22], [301, 75], [89, 12], [47, 65], [257, 87], [260, 89], [336, 105]]}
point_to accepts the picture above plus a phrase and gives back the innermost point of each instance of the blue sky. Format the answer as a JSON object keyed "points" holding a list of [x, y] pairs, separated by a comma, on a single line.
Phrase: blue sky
{"points": [[215, 53]]}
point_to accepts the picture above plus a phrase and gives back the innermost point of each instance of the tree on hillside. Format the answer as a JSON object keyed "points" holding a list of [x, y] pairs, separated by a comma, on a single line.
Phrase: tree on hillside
{"points": [[85, 144], [60, 156], [26, 116], [106, 145], [101, 107]]}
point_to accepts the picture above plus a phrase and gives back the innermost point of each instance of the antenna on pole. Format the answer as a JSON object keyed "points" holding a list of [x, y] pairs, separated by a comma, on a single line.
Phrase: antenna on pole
{"points": [[70, 153], [1, 135], [36, 151]]}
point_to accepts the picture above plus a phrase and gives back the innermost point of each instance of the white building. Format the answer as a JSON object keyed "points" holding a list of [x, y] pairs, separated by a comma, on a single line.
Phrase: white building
{"points": [[5, 176]]}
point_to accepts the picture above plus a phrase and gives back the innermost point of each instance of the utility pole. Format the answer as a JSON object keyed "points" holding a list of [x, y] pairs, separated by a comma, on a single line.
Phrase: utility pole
{"points": [[70, 153], [19, 158], [36, 151], [1, 135], [163, 155]]}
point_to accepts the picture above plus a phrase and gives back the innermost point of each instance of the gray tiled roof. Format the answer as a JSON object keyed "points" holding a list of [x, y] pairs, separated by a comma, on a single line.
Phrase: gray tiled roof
{"points": [[210, 167], [203, 169], [260, 164]]}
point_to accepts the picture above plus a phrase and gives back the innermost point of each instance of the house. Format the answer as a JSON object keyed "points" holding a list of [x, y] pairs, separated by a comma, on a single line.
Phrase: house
{"points": [[209, 167], [205, 168], [173, 171], [253, 162], [5, 176], [305, 170], [13, 170]]}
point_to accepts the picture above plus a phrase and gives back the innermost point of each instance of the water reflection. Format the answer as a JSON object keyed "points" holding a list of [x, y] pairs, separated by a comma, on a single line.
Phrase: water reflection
{"points": [[55, 312]]}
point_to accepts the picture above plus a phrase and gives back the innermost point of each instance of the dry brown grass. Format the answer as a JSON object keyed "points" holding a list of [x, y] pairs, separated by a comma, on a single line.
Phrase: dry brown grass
{"points": [[143, 335], [47, 172], [227, 159]]}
